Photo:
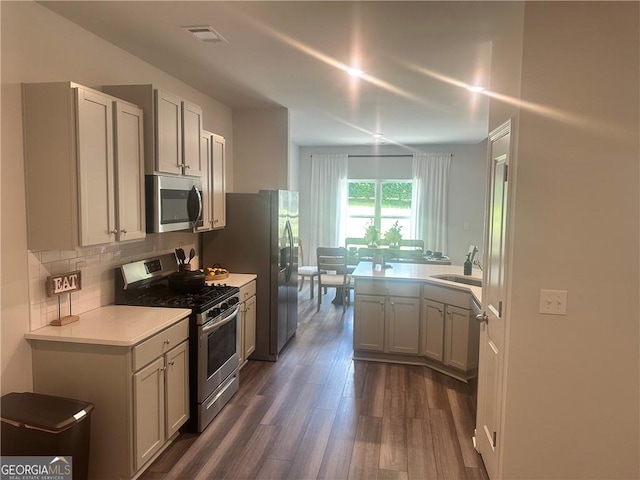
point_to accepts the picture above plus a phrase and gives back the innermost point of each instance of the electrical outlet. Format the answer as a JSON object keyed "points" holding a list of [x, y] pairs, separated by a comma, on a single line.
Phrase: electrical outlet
{"points": [[553, 302]]}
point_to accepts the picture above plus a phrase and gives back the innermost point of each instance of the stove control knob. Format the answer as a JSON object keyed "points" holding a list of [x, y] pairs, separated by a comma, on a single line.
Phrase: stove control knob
{"points": [[214, 312], [224, 306], [233, 300]]}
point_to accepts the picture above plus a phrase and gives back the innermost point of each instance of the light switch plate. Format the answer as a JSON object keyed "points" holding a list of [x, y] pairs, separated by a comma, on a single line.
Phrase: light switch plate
{"points": [[553, 302]]}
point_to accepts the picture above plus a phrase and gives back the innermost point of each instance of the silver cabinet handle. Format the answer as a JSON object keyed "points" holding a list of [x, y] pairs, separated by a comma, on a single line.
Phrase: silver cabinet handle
{"points": [[482, 317], [124, 230], [186, 166], [167, 342], [114, 231]]}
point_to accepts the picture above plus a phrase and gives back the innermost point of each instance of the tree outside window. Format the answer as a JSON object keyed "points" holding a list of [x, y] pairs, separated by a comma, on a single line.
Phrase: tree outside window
{"points": [[381, 203]]}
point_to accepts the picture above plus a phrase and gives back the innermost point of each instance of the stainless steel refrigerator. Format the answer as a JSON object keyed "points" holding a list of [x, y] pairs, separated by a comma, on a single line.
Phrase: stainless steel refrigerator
{"points": [[261, 237]]}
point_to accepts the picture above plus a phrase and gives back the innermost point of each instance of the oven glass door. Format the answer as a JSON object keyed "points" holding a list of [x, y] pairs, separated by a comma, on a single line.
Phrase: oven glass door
{"points": [[217, 351], [221, 347]]}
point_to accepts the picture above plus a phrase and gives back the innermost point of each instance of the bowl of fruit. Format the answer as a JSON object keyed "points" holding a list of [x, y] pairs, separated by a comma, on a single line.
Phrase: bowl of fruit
{"points": [[216, 272]]}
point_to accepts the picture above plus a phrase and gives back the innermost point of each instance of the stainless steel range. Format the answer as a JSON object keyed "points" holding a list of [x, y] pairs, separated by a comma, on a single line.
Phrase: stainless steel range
{"points": [[213, 330]]}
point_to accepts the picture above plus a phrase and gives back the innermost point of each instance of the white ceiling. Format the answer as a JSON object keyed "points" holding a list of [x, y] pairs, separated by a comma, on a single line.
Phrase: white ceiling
{"points": [[417, 57]]}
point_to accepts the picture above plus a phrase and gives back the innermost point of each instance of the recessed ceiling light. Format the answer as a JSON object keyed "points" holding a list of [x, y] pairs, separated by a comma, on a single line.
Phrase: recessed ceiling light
{"points": [[205, 33], [355, 72], [475, 88], [377, 135]]}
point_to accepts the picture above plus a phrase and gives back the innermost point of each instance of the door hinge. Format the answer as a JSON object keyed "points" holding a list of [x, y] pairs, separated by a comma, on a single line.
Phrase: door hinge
{"points": [[495, 439], [500, 309], [506, 173]]}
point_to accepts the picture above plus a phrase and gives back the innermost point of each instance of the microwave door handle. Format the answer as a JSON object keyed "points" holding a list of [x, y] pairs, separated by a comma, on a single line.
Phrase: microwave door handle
{"points": [[198, 216]]}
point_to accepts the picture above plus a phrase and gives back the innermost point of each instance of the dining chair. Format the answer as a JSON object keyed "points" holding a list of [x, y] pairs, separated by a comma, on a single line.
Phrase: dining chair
{"points": [[305, 270], [332, 273]]}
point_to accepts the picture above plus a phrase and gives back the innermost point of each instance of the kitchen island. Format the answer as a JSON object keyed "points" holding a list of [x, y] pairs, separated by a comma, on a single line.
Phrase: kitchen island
{"points": [[132, 363], [418, 314]]}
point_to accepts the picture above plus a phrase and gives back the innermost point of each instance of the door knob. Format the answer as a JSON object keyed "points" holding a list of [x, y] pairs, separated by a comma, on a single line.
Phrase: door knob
{"points": [[482, 317]]}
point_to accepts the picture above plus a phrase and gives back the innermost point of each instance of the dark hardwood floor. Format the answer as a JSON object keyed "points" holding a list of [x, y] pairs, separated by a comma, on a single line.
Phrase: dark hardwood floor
{"points": [[318, 414]]}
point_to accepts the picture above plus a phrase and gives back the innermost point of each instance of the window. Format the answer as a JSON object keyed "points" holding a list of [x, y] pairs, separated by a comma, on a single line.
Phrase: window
{"points": [[381, 202]]}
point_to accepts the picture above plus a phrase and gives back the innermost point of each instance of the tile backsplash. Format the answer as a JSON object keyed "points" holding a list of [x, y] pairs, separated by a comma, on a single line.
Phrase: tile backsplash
{"points": [[97, 266]]}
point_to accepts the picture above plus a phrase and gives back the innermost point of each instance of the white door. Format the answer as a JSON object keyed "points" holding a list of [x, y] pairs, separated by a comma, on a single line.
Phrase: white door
{"points": [[205, 168], [403, 316], [219, 186], [168, 133], [492, 332], [95, 168], [177, 387], [191, 133], [149, 411], [368, 323], [129, 161]]}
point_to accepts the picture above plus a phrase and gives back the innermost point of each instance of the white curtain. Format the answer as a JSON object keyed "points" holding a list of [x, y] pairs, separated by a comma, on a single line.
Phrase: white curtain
{"points": [[328, 202], [430, 192]]}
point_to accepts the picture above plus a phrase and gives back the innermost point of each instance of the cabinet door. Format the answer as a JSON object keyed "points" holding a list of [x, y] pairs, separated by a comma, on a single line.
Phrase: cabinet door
{"points": [[432, 334], [177, 388], [219, 185], [191, 133], [368, 323], [129, 163], [456, 351], [249, 340], [149, 411], [205, 167], [168, 133], [95, 168], [403, 325]]}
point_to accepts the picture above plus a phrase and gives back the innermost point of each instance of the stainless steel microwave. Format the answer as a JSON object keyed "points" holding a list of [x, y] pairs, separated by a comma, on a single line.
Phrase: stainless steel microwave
{"points": [[173, 203]]}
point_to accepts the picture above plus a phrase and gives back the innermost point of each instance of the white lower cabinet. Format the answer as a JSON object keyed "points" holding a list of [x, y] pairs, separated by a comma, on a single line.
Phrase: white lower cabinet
{"points": [[140, 394], [247, 321], [161, 401], [449, 334], [432, 327], [368, 323], [389, 322], [415, 322], [461, 341]]}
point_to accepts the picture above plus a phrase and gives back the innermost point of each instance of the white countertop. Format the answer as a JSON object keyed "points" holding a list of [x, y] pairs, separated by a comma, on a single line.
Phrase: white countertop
{"points": [[116, 325], [422, 273], [235, 279]]}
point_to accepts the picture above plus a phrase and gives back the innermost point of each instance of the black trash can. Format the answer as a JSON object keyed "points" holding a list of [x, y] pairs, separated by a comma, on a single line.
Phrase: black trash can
{"points": [[43, 425]]}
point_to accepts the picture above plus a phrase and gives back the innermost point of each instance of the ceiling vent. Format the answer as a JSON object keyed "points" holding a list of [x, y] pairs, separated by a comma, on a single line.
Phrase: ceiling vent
{"points": [[205, 33]]}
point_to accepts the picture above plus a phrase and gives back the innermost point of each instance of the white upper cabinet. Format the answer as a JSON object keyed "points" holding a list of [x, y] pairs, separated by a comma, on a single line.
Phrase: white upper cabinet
{"points": [[212, 165], [219, 189], [172, 134], [191, 132], [168, 133], [83, 169], [129, 161]]}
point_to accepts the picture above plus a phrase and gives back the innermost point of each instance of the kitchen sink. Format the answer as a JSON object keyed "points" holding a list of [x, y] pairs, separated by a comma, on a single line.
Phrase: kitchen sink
{"points": [[476, 282]]}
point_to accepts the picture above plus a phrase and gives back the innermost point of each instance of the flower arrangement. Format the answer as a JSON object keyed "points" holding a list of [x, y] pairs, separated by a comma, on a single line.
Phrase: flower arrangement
{"points": [[393, 235], [371, 235]]}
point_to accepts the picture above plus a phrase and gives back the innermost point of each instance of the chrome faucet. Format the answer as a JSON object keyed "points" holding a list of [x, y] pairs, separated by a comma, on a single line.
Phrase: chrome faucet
{"points": [[477, 263]]}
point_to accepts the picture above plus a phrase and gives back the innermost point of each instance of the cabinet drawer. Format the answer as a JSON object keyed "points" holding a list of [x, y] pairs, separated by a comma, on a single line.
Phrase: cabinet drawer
{"points": [[395, 288], [449, 296], [160, 343], [247, 291]]}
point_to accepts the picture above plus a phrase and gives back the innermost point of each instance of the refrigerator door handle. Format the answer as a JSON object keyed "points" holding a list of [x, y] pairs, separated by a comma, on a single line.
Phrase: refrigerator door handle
{"points": [[290, 249]]}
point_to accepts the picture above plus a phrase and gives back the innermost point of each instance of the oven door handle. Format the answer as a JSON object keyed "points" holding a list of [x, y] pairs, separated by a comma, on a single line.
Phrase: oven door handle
{"points": [[223, 321]]}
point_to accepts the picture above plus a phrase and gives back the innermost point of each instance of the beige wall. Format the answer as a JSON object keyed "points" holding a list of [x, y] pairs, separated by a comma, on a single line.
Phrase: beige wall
{"points": [[572, 385], [261, 137], [39, 46]]}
